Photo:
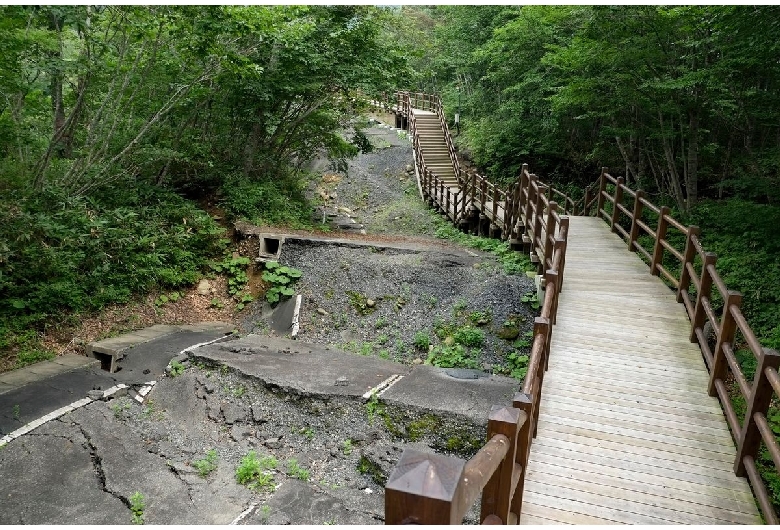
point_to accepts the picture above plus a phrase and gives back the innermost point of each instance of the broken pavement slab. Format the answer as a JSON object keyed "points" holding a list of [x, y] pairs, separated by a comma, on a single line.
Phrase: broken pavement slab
{"points": [[318, 370], [300, 367], [109, 351]]}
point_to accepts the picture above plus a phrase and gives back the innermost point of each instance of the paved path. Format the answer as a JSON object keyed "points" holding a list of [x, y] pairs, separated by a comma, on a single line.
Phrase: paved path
{"points": [[627, 433]]}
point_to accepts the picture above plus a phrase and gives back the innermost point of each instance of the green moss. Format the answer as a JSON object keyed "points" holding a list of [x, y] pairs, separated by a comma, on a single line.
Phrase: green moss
{"points": [[367, 467], [417, 429]]}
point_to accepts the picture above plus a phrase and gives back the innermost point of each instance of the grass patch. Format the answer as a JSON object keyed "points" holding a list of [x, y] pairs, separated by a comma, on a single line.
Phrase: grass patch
{"points": [[255, 473], [206, 464]]}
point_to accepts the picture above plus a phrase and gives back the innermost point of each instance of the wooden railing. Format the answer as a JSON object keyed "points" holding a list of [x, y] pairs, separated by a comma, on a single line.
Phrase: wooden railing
{"points": [[691, 271], [427, 488]]}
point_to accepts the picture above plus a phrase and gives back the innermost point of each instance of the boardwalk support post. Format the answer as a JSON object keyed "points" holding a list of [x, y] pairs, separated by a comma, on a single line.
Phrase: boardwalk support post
{"points": [[728, 328], [618, 198], [635, 217], [497, 495], [749, 439], [660, 235]]}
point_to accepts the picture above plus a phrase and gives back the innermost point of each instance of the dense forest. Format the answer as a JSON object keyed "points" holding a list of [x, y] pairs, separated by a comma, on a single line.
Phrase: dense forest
{"points": [[117, 123], [684, 102]]}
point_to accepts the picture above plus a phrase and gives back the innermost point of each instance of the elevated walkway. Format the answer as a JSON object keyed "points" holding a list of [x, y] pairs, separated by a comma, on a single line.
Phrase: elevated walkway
{"points": [[627, 433]]}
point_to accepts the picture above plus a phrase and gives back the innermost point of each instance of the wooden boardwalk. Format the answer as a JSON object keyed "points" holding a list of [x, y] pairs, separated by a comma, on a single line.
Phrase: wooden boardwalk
{"points": [[627, 433]]}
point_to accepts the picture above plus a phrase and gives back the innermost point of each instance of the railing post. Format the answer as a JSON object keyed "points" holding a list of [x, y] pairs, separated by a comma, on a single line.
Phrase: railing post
{"points": [[537, 220], [497, 495], [541, 327], [635, 216], [523, 402], [549, 235], [689, 254], [750, 438], [728, 328], [423, 489], [660, 234], [618, 198], [705, 289], [602, 189], [585, 202]]}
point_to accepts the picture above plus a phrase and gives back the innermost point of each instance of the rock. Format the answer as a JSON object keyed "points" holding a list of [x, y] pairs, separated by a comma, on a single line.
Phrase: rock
{"points": [[204, 287], [273, 443], [209, 387], [508, 332], [417, 361], [321, 311], [370, 302], [95, 394], [409, 168], [234, 413], [341, 381], [239, 433], [449, 341], [258, 414]]}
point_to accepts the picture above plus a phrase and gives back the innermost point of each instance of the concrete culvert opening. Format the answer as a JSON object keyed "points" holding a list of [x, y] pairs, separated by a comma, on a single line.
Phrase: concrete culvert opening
{"points": [[270, 246]]}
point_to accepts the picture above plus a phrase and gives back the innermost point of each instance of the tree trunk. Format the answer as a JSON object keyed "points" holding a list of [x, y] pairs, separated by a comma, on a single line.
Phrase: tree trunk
{"points": [[692, 175]]}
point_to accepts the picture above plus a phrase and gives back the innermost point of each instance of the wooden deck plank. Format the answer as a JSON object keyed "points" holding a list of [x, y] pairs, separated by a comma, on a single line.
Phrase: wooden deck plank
{"points": [[627, 432]]}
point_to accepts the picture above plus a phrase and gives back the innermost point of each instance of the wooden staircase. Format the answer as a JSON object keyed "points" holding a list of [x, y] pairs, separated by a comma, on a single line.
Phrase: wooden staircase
{"points": [[433, 146]]}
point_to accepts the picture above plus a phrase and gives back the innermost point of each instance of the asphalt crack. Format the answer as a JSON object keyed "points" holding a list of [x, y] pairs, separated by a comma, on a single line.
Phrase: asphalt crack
{"points": [[97, 464]]}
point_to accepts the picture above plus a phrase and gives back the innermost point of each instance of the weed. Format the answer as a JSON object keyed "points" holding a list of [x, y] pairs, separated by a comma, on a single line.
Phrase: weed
{"points": [[254, 472], [469, 336], [525, 341], [243, 300], [383, 354], [308, 432], [359, 301], [382, 339], [295, 470], [217, 303], [431, 301], [240, 391], [531, 299], [455, 356], [265, 513], [119, 408], [373, 407], [16, 412], [380, 323], [207, 464], [422, 340], [235, 269], [177, 368], [366, 349], [164, 299], [281, 279], [460, 305], [137, 507], [481, 318], [346, 447]]}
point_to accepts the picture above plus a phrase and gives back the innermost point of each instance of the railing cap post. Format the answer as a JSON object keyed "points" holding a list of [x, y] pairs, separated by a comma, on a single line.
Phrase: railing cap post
{"points": [[422, 488]]}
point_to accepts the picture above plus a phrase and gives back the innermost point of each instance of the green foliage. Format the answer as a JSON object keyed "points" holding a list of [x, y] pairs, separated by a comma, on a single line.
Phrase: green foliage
{"points": [[367, 467], [380, 323], [422, 340], [512, 261], [281, 279], [471, 337], [16, 412], [254, 472], [347, 447], [137, 507], [177, 368], [295, 470], [206, 464], [531, 299], [455, 356], [234, 267], [359, 302], [481, 318], [270, 202]]}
